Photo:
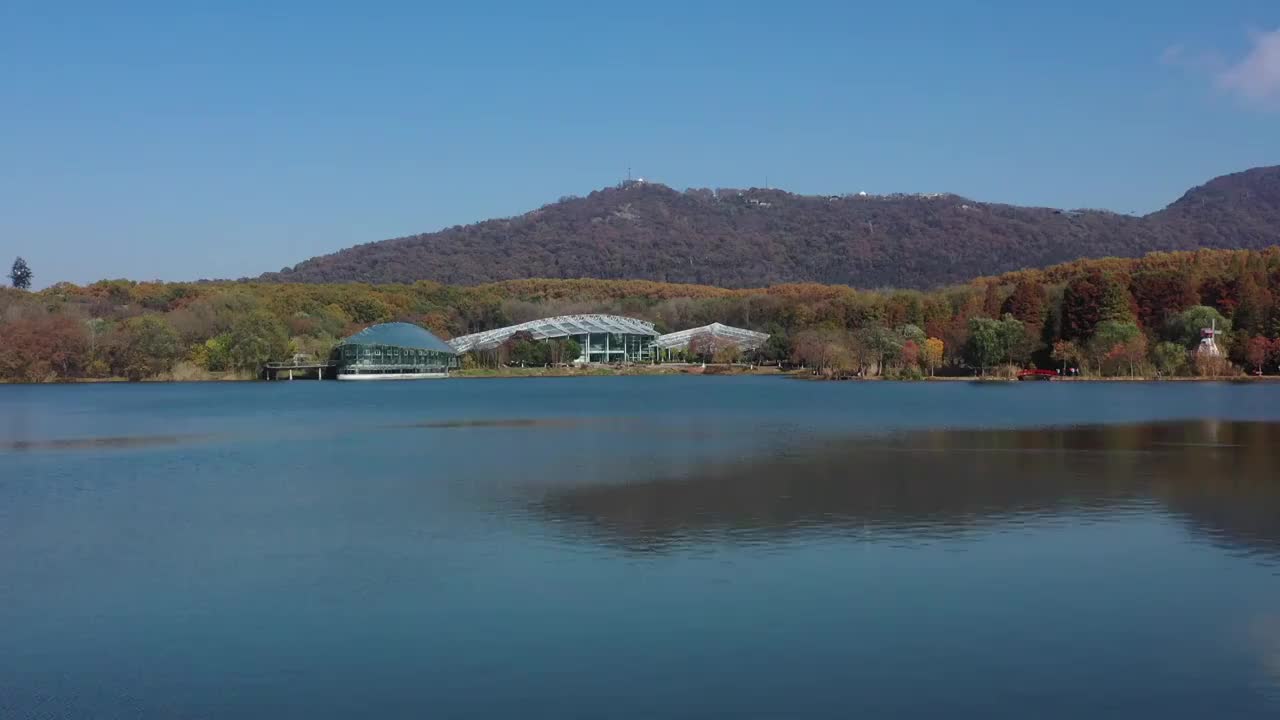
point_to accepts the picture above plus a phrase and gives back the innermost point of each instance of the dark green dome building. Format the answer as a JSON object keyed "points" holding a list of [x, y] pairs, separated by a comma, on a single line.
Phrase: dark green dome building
{"points": [[393, 351]]}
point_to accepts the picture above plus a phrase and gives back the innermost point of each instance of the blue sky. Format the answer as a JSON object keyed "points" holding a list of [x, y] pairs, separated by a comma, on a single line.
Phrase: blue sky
{"points": [[224, 139]]}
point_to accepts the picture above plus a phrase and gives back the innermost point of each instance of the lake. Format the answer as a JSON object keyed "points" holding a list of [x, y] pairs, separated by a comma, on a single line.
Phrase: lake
{"points": [[640, 547]]}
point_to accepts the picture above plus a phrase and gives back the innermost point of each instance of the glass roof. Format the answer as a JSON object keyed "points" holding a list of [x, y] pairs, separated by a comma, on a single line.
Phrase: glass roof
{"points": [[555, 327], [399, 334], [745, 339]]}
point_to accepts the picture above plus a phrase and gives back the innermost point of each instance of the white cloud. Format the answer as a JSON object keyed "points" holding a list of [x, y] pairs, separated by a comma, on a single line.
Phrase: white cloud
{"points": [[1256, 77], [1180, 56]]}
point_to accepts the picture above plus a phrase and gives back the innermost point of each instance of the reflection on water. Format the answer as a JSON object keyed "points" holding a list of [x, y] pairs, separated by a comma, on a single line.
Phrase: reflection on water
{"points": [[639, 548], [1266, 638], [509, 423], [1223, 478], [100, 443]]}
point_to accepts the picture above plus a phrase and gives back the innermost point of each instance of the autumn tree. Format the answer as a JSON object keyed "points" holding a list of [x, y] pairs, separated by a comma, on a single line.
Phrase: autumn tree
{"points": [[213, 315], [992, 300], [1258, 350], [1067, 353], [1257, 302], [910, 340], [1116, 342], [932, 354], [910, 354], [1157, 294], [146, 346], [955, 337], [1131, 352], [1081, 306], [256, 339], [841, 327], [1026, 303], [727, 354], [807, 349], [213, 354], [43, 348], [824, 349], [1221, 293], [1209, 365], [1091, 298]]}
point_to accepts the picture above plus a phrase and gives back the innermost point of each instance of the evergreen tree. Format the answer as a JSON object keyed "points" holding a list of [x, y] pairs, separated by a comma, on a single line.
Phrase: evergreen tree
{"points": [[20, 274]]}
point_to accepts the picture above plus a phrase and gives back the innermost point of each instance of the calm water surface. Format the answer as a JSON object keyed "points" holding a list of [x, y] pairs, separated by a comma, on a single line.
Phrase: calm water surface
{"points": [[639, 548]]}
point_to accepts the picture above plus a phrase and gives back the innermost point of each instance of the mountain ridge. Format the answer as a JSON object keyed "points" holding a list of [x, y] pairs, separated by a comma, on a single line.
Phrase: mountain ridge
{"points": [[754, 237]]}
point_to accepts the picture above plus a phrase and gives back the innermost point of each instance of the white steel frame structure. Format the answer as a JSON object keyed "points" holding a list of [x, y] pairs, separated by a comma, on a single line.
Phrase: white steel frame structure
{"points": [[717, 336], [603, 338]]}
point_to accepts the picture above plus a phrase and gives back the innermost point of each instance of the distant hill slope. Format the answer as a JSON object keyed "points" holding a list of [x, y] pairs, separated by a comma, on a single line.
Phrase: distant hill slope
{"points": [[758, 237]]}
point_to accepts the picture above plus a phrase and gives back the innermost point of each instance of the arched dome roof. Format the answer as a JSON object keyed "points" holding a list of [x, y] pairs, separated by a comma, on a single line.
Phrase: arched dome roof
{"points": [[555, 327], [399, 334]]}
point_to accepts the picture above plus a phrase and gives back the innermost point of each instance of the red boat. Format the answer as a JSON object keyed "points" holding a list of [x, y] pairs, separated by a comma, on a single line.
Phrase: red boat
{"points": [[1037, 375]]}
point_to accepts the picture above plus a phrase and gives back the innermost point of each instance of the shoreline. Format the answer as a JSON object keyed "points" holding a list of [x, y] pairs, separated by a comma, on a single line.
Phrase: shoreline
{"points": [[674, 371]]}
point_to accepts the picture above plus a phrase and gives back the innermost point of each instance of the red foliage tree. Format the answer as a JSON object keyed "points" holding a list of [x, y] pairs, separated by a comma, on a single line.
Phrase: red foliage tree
{"points": [[991, 301], [1089, 299], [1222, 293], [1259, 349], [1130, 352], [910, 354], [1026, 304], [1160, 293], [52, 347], [1082, 306]]}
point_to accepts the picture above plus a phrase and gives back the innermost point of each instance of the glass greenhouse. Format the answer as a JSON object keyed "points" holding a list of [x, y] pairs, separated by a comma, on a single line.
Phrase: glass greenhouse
{"points": [[711, 338], [603, 338], [393, 351]]}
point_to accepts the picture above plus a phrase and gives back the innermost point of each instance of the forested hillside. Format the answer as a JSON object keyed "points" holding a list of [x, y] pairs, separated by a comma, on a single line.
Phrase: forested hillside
{"points": [[751, 238], [1111, 317]]}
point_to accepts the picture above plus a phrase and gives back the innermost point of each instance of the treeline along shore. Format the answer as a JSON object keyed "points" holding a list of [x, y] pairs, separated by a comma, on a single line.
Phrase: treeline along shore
{"points": [[1101, 318]]}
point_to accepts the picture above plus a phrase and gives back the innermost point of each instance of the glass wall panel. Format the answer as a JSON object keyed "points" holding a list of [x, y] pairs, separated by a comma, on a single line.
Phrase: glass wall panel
{"points": [[390, 359]]}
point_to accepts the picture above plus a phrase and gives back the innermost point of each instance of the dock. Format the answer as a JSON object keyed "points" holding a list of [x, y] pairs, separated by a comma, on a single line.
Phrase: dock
{"points": [[301, 368]]}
